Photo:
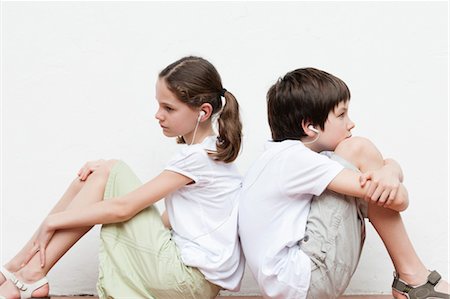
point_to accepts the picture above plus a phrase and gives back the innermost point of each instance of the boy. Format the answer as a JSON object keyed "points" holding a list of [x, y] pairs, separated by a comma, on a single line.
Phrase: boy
{"points": [[299, 247]]}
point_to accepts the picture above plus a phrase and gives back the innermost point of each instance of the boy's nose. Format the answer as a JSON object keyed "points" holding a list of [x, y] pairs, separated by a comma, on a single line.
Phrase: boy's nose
{"points": [[351, 125]]}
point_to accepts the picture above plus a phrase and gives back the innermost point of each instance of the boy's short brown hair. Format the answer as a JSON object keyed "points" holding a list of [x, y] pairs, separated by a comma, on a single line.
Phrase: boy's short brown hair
{"points": [[306, 94]]}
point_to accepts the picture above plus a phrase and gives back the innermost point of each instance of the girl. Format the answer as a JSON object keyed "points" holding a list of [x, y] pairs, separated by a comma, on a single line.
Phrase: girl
{"points": [[192, 251]]}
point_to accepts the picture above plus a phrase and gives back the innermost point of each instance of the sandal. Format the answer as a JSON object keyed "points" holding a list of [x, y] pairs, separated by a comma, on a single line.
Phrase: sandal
{"points": [[26, 289], [423, 291], [6, 273]]}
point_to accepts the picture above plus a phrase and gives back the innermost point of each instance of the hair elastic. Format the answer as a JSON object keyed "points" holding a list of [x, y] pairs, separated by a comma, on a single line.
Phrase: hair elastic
{"points": [[222, 92]]}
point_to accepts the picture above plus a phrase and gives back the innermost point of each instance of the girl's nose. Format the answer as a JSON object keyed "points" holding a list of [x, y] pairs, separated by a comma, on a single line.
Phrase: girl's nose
{"points": [[158, 114]]}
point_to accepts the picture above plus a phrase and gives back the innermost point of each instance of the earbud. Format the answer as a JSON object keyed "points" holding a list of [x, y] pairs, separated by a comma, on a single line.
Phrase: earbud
{"points": [[313, 129], [200, 115]]}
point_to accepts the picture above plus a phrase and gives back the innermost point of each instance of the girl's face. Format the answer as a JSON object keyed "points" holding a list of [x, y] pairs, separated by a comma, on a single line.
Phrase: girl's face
{"points": [[337, 127], [175, 117]]}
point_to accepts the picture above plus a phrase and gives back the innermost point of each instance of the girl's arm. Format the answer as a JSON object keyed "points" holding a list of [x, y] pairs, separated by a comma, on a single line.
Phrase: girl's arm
{"points": [[165, 220], [122, 208]]}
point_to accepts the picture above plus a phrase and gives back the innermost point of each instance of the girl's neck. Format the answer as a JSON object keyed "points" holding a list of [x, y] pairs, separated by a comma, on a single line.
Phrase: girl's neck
{"points": [[200, 135]]}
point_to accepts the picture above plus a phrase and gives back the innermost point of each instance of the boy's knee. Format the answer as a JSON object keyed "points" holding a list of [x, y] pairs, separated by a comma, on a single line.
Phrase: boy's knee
{"points": [[353, 148]]}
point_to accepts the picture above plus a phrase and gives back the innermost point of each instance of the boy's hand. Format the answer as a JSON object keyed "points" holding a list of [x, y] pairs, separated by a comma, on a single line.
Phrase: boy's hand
{"points": [[384, 185]]}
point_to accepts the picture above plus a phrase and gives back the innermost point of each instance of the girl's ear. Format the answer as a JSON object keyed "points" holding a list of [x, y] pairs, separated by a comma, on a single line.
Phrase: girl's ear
{"points": [[207, 109]]}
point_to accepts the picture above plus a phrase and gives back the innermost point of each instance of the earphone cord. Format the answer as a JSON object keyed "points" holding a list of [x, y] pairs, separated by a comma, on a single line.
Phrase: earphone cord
{"points": [[195, 131], [309, 142]]}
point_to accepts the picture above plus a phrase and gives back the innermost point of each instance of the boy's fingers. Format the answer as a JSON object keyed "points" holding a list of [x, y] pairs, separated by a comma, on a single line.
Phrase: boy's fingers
{"points": [[393, 194], [371, 190], [391, 198], [376, 194], [383, 198]]}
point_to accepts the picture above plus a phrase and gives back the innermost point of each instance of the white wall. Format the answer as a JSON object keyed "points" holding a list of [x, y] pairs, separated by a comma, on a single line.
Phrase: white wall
{"points": [[78, 84]]}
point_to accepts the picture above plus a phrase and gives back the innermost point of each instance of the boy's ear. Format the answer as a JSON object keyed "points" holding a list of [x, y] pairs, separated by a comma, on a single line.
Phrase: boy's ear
{"points": [[307, 130]]}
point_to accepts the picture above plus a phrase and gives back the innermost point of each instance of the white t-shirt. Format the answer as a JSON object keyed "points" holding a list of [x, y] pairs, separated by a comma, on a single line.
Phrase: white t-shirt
{"points": [[273, 209], [203, 214]]}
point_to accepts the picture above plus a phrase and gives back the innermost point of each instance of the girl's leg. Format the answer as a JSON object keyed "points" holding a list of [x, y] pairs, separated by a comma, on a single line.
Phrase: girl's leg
{"points": [[388, 223], [14, 264], [62, 240]]}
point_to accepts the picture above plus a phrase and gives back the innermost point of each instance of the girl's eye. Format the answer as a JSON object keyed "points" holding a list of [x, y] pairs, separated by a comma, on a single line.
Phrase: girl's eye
{"points": [[169, 108]]}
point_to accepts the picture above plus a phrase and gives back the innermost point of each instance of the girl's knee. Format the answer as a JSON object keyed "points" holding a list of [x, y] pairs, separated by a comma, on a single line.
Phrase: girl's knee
{"points": [[104, 170], [109, 164]]}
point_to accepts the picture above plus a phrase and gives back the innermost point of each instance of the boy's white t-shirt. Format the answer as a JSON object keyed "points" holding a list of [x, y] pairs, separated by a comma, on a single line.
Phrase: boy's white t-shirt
{"points": [[203, 214], [273, 209]]}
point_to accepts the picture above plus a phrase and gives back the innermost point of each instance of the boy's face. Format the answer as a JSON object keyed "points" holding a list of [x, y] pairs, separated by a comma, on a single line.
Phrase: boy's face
{"points": [[337, 128]]}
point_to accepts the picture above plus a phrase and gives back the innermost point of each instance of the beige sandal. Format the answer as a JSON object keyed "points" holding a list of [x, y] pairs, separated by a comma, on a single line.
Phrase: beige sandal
{"points": [[6, 273], [25, 289]]}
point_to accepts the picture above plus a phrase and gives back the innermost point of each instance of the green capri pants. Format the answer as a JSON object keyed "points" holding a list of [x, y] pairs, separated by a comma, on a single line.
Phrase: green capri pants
{"points": [[138, 258]]}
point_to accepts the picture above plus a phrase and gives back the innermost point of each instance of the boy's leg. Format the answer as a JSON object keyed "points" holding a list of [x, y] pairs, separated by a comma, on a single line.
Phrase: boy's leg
{"points": [[62, 240], [334, 236], [387, 222]]}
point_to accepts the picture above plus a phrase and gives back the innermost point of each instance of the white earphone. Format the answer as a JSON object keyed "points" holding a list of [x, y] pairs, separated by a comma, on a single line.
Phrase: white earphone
{"points": [[200, 115], [313, 129]]}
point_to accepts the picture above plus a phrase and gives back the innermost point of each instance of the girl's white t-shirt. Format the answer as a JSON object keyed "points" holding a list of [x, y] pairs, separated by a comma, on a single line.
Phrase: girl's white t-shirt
{"points": [[273, 209], [203, 214]]}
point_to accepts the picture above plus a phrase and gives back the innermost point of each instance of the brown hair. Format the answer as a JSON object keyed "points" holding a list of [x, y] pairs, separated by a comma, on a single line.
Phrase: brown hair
{"points": [[306, 94], [195, 81]]}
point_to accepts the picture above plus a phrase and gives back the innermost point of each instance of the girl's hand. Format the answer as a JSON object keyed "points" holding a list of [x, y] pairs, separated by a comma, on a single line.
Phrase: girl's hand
{"points": [[89, 168], [384, 185], [43, 237]]}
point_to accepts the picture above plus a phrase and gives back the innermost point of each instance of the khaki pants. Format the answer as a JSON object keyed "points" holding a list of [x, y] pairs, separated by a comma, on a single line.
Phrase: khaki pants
{"points": [[335, 233]]}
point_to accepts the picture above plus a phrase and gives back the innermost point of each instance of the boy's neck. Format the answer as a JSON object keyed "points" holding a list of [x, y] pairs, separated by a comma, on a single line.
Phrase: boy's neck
{"points": [[312, 146]]}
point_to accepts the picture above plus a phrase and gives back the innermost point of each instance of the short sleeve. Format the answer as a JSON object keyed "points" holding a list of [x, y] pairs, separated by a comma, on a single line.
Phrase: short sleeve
{"points": [[190, 163], [307, 172]]}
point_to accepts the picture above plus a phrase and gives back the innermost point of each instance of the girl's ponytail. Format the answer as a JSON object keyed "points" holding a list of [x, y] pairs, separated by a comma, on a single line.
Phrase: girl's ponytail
{"points": [[195, 81], [230, 130]]}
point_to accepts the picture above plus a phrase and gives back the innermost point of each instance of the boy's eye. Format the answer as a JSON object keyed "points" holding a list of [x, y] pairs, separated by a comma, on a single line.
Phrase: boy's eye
{"points": [[169, 108]]}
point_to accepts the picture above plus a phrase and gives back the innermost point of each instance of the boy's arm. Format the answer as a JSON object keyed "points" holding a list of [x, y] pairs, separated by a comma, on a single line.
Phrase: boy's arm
{"points": [[383, 176], [395, 167], [347, 182]]}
